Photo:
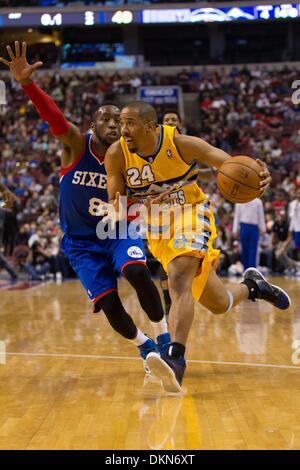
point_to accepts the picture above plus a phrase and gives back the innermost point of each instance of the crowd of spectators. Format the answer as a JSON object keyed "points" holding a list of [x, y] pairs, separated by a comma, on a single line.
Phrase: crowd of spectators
{"points": [[244, 112]]}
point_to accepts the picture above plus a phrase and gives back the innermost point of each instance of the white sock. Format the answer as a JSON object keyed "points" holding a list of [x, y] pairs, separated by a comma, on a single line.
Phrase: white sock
{"points": [[139, 339], [160, 327]]}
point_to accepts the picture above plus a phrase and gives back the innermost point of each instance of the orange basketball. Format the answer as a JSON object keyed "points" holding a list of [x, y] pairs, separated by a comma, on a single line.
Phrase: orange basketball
{"points": [[238, 179]]}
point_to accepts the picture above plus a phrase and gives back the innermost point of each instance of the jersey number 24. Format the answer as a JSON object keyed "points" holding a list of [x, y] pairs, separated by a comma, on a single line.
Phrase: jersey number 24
{"points": [[137, 178]]}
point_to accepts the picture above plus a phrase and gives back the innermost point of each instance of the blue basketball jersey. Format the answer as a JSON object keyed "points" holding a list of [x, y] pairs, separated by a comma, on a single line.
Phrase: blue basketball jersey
{"points": [[82, 190]]}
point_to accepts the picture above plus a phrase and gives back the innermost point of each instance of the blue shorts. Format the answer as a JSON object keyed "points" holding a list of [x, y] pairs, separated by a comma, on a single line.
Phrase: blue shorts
{"points": [[296, 237], [95, 262]]}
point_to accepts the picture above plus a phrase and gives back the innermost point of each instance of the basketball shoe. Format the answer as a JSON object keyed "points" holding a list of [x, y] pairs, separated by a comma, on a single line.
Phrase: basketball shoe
{"points": [[170, 369], [260, 288], [146, 348], [162, 341]]}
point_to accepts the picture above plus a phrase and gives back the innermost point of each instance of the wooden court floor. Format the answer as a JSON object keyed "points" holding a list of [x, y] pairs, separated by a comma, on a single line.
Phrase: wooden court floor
{"points": [[70, 382]]}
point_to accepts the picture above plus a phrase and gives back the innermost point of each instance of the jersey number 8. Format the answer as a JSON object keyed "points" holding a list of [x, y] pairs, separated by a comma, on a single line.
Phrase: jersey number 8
{"points": [[97, 207]]}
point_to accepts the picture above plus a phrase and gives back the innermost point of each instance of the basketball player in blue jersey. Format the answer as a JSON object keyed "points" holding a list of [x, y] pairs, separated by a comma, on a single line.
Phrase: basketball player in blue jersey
{"points": [[82, 193]]}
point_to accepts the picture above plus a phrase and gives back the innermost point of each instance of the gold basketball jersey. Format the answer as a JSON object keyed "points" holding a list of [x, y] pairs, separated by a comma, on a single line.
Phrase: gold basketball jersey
{"points": [[161, 171], [191, 230]]}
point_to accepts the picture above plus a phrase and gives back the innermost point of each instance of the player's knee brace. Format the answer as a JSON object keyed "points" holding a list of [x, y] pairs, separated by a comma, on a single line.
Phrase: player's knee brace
{"points": [[115, 313]]}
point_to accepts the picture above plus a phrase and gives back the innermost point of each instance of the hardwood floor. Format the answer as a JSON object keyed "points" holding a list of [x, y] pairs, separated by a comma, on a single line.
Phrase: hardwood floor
{"points": [[70, 382]]}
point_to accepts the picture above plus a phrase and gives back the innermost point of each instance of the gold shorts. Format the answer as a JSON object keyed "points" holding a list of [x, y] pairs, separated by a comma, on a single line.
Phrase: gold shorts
{"points": [[192, 237]]}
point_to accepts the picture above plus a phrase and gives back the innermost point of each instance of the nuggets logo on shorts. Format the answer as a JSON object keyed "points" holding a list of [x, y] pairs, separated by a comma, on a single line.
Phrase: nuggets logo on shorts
{"points": [[180, 241], [197, 242], [135, 252]]}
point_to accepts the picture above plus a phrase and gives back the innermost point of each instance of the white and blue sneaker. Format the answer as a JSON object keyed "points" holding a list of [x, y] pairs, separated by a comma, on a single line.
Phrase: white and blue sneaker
{"points": [[146, 348]]}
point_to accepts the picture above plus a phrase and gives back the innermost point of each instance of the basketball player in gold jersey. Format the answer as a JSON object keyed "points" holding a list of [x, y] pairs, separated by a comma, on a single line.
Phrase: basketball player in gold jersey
{"points": [[172, 118], [148, 156]]}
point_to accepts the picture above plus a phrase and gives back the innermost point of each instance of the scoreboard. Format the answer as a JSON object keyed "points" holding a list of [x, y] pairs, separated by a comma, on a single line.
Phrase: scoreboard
{"points": [[78, 18], [93, 17]]}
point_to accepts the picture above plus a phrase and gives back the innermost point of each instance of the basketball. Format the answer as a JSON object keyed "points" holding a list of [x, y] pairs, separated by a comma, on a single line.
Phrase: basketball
{"points": [[238, 179]]}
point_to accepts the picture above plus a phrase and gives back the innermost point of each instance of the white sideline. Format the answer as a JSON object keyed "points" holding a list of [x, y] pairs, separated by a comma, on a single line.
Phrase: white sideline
{"points": [[127, 358]]}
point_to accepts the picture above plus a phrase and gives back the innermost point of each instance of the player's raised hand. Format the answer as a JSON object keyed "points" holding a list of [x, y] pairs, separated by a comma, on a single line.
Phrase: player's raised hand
{"points": [[20, 69], [265, 175]]}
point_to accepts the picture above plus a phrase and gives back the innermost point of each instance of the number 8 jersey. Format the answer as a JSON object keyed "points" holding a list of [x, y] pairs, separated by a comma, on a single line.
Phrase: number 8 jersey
{"points": [[82, 193]]}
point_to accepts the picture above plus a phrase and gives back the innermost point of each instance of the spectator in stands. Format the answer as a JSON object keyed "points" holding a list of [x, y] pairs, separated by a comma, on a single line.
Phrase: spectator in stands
{"points": [[5, 265], [281, 242], [294, 228], [248, 224]]}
